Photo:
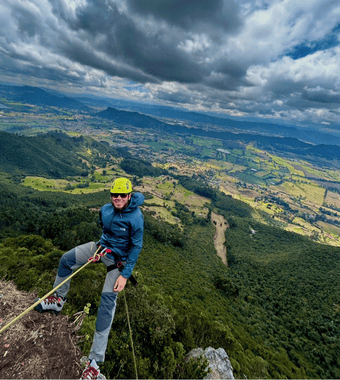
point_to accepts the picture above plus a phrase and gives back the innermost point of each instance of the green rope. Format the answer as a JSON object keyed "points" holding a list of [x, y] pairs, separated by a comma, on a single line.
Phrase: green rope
{"points": [[133, 350]]}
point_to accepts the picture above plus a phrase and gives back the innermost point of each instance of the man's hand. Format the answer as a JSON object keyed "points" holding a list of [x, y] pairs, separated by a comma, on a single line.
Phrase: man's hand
{"points": [[120, 284]]}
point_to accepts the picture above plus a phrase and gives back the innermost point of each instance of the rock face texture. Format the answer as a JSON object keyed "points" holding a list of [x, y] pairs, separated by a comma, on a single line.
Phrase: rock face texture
{"points": [[219, 362]]}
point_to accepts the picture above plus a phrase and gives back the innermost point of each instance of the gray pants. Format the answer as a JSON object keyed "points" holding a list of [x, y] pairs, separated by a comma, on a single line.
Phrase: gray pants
{"points": [[74, 259]]}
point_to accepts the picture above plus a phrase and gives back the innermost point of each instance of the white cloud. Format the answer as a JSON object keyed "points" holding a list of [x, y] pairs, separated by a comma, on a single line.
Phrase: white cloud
{"points": [[198, 43], [194, 58], [269, 33]]}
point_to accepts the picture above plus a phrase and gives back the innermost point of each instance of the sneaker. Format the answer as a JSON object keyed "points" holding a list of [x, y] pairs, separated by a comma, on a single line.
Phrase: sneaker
{"points": [[91, 371], [53, 304]]}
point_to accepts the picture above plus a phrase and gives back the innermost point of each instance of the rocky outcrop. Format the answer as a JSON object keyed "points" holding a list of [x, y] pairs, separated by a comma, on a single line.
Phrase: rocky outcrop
{"points": [[219, 362]]}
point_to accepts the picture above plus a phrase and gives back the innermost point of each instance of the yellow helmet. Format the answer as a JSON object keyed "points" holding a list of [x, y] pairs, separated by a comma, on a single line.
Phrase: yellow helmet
{"points": [[121, 185]]}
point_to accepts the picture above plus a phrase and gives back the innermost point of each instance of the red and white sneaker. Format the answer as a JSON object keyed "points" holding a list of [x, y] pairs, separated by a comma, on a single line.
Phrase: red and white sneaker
{"points": [[53, 304], [91, 371]]}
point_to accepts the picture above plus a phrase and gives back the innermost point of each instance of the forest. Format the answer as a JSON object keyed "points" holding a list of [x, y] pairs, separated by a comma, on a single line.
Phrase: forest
{"points": [[275, 308]]}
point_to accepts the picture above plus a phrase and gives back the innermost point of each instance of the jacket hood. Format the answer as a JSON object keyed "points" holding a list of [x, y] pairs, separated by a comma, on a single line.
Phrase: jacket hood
{"points": [[137, 199]]}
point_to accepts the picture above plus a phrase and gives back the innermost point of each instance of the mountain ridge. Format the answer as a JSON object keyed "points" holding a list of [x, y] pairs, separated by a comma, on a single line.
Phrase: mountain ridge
{"points": [[283, 144], [54, 154], [38, 96], [266, 127], [51, 98]]}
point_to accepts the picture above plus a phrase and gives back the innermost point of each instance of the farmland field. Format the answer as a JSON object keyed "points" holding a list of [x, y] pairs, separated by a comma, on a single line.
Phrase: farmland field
{"points": [[333, 198], [304, 190]]}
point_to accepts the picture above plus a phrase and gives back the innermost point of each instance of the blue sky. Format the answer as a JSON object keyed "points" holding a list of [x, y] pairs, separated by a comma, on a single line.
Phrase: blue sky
{"points": [[331, 40], [269, 59]]}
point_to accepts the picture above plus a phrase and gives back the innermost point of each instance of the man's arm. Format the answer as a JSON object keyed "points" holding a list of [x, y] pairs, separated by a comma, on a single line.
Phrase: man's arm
{"points": [[137, 233], [137, 244]]}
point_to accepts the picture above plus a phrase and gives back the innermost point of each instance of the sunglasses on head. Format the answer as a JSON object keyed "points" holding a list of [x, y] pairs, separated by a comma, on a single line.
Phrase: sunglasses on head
{"points": [[119, 195]]}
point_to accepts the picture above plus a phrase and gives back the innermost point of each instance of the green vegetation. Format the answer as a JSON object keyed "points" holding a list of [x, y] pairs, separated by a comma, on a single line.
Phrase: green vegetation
{"points": [[275, 309], [38, 155], [45, 184], [52, 155], [272, 309], [295, 291], [141, 168], [305, 190]]}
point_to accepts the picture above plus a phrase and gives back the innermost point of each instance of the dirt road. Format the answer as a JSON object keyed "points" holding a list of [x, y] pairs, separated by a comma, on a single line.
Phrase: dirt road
{"points": [[219, 238]]}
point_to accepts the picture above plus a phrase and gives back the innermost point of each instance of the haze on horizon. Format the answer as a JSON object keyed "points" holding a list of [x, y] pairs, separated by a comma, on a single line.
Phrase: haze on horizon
{"points": [[268, 59]]}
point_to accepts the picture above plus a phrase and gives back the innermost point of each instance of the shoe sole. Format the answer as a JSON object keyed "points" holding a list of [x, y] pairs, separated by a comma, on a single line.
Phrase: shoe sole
{"points": [[41, 310], [47, 311]]}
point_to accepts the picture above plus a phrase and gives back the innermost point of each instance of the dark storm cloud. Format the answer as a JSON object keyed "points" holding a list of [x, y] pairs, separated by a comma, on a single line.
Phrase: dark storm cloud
{"points": [[218, 54], [156, 55], [27, 20], [190, 14], [320, 95], [178, 97], [19, 68], [82, 53], [227, 74], [26, 26], [105, 36], [61, 11]]}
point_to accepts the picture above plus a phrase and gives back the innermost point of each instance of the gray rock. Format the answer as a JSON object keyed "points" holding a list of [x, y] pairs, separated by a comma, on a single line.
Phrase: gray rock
{"points": [[219, 362]]}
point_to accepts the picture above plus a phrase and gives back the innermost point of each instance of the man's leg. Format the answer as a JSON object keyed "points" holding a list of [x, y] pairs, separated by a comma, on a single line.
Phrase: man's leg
{"points": [[71, 260], [105, 315]]}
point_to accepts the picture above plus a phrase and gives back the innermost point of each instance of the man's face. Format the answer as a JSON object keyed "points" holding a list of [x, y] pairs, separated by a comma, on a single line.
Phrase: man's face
{"points": [[120, 201]]}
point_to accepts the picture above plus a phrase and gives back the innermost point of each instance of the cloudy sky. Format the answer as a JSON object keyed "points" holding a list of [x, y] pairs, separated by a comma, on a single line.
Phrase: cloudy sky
{"points": [[258, 58]]}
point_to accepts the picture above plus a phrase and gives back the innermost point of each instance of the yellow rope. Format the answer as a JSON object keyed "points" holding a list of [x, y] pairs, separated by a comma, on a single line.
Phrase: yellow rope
{"points": [[94, 257], [133, 350]]}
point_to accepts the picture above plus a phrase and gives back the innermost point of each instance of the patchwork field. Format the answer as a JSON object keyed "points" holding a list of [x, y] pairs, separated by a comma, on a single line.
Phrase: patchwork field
{"points": [[44, 184], [330, 229], [303, 190], [287, 187], [100, 180], [165, 191], [333, 198]]}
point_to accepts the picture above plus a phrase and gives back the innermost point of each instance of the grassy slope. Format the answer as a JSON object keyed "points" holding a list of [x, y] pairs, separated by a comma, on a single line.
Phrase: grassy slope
{"points": [[38, 155], [267, 296]]}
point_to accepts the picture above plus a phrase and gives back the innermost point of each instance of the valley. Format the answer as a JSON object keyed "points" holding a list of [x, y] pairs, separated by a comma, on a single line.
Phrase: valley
{"points": [[241, 244], [298, 195]]}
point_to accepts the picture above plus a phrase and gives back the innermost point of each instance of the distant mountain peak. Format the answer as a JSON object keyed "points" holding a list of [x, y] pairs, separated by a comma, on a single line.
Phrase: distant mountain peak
{"points": [[38, 96]]}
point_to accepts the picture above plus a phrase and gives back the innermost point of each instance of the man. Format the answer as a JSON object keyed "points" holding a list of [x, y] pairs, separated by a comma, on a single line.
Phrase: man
{"points": [[123, 227]]}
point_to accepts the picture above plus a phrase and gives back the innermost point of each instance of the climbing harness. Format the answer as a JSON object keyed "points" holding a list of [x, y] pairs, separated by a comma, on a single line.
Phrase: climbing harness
{"points": [[97, 256], [120, 266], [100, 252]]}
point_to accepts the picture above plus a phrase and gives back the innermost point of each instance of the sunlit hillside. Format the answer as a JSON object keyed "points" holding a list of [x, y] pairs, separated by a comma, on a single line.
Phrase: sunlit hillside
{"points": [[240, 247]]}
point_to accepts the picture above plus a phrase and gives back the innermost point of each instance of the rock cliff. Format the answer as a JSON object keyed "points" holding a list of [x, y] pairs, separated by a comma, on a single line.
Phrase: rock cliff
{"points": [[219, 362]]}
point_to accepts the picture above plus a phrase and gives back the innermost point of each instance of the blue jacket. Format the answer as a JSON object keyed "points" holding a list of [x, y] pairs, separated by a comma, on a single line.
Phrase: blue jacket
{"points": [[123, 231]]}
